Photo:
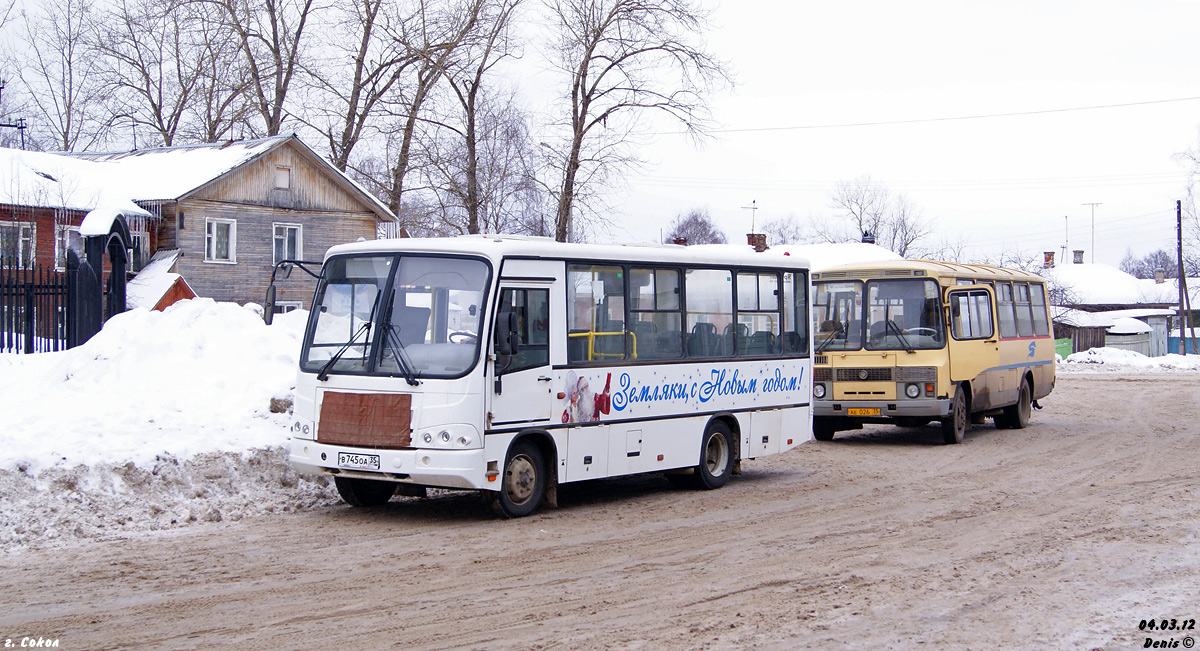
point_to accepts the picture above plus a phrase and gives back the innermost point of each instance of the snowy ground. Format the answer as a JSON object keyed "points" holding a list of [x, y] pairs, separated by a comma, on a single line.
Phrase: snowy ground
{"points": [[163, 419]]}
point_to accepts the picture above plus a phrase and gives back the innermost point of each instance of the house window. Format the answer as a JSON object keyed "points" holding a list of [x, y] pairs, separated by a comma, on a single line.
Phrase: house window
{"points": [[62, 244], [283, 307], [283, 178], [220, 240], [17, 240], [288, 242]]}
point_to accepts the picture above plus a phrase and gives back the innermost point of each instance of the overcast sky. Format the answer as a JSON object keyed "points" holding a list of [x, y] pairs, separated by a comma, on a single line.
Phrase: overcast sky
{"points": [[1016, 182]]}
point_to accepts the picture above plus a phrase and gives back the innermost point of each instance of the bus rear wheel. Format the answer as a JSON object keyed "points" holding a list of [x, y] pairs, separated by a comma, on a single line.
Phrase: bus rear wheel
{"points": [[716, 457], [364, 492], [1017, 416], [954, 425], [523, 483]]}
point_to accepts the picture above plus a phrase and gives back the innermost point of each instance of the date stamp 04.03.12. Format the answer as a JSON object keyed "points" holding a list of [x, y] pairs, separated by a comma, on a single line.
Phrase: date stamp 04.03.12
{"points": [[1181, 632]]}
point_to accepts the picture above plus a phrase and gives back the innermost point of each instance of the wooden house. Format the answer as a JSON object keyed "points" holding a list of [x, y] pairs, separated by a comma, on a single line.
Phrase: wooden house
{"points": [[233, 210]]}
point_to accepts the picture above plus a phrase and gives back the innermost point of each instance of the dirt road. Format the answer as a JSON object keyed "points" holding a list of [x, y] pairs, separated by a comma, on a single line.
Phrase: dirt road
{"points": [[1066, 534]]}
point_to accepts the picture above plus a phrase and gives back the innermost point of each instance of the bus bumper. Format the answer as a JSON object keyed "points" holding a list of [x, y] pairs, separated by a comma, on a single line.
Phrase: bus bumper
{"points": [[420, 467], [918, 407]]}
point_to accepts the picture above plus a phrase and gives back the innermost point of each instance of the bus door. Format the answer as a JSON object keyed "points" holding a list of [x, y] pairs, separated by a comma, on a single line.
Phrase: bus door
{"points": [[974, 345], [521, 384]]}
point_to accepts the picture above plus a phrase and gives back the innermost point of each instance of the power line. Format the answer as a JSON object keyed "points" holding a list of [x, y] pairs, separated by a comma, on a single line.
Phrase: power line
{"points": [[983, 116]]}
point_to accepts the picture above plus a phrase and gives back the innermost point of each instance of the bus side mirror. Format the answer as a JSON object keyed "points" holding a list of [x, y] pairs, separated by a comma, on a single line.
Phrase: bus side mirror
{"points": [[269, 308], [506, 333]]}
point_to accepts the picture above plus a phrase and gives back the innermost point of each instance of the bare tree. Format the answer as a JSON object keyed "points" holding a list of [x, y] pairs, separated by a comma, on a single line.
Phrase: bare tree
{"points": [[864, 203], [617, 55], [350, 84], [695, 227], [785, 230], [220, 105], [270, 36], [904, 226], [149, 63], [60, 75], [435, 36], [870, 209], [478, 57], [488, 183], [1145, 266]]}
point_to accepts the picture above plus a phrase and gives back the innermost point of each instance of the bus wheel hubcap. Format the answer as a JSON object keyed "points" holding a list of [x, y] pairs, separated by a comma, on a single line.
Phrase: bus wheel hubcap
{"points": [[521, 479]]}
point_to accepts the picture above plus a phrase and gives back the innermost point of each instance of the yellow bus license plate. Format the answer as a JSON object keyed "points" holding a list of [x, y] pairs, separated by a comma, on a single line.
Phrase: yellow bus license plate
{"points": [[874, 411]]}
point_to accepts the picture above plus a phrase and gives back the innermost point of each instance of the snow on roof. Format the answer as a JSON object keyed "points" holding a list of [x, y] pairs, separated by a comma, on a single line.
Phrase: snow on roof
{"points": [[825, 255], [1129, 326], [1081, 319], [168, 173], [1100, 284], [41, 180], [154, 280]]}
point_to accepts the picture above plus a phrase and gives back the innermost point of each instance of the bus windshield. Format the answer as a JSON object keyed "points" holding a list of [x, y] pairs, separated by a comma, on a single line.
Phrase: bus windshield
{"points": [[889, 314], [409, 316]]}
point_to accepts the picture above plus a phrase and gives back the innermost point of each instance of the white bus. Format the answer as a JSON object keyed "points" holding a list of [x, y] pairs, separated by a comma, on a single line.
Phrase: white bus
{"points": [[510, 365]]}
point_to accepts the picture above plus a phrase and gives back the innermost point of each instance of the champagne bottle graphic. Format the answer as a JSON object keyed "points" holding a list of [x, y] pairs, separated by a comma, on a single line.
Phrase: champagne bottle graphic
{"points": [[603, 400]]}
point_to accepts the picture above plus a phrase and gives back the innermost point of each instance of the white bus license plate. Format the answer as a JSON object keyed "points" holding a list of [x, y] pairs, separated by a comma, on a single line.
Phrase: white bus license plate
{"points": [[358, 461]]}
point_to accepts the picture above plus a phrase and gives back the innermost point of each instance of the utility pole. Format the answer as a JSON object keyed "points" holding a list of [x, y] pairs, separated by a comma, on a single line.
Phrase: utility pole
{"points": [[1093, 205], [1180, 278]]}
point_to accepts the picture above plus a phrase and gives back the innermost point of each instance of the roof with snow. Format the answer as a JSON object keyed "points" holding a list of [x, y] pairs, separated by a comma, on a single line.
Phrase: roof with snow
{"points": [[1100, 284], [154, 280], [173, 173], [41, 180], [825, 255], [114, 181]]}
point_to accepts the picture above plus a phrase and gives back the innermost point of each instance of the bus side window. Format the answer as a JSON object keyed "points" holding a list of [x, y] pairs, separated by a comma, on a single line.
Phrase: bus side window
{"points": [[1041, 325]]}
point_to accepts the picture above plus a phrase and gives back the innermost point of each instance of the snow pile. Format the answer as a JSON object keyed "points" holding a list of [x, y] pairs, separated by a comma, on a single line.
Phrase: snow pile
{"points": [[163, 418], [1116, 360]]}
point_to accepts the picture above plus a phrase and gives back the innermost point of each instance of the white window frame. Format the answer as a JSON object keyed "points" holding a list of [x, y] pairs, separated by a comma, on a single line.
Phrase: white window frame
{"points": [[62, 242], [26, 232], [210, 240], [275, 227], [283, 307], [283, 177]]}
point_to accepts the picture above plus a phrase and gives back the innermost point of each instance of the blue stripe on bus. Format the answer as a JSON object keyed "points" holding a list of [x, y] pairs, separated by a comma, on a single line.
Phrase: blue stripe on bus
{"points": [[1021, 365]]}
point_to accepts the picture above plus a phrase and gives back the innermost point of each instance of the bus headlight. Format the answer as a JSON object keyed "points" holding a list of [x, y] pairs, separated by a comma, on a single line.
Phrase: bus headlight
{"points": [[912, 390], [818, 391]]}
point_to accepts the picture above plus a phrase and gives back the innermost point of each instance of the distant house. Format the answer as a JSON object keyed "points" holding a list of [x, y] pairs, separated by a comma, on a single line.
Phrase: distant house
{"points": [[223, 213], [1099, 305], [44, 199], [232, 210]]}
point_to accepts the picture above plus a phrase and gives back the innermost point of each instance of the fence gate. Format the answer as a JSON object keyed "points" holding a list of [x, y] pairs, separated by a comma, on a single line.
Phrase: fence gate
{"points": [[33, 308]]}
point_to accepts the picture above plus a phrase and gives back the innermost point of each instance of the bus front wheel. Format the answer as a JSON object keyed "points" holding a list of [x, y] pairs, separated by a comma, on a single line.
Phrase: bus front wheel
{"points": [[954, 425], [822, 430], [716, 457], [364, 492], [524, 481]]}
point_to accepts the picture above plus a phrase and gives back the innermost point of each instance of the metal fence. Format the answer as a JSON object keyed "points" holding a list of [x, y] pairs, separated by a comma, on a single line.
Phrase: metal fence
{"points": [[33, 308]]}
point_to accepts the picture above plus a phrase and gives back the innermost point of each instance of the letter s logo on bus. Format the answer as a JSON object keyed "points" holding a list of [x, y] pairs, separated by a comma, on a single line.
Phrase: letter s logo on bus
{"points": [[1032, 348]]}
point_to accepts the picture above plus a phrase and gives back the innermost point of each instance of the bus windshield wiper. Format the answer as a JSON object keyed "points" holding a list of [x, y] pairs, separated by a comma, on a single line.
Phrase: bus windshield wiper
{"points": [[393, 342], [891, 325], [323, 375]]}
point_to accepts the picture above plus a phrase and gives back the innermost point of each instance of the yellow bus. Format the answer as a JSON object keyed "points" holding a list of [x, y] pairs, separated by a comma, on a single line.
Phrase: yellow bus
{"points": [[913, 341]]}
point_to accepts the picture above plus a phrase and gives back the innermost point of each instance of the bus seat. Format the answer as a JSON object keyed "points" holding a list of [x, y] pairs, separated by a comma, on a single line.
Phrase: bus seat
{"points": [[703, 342], [411, 324]]}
